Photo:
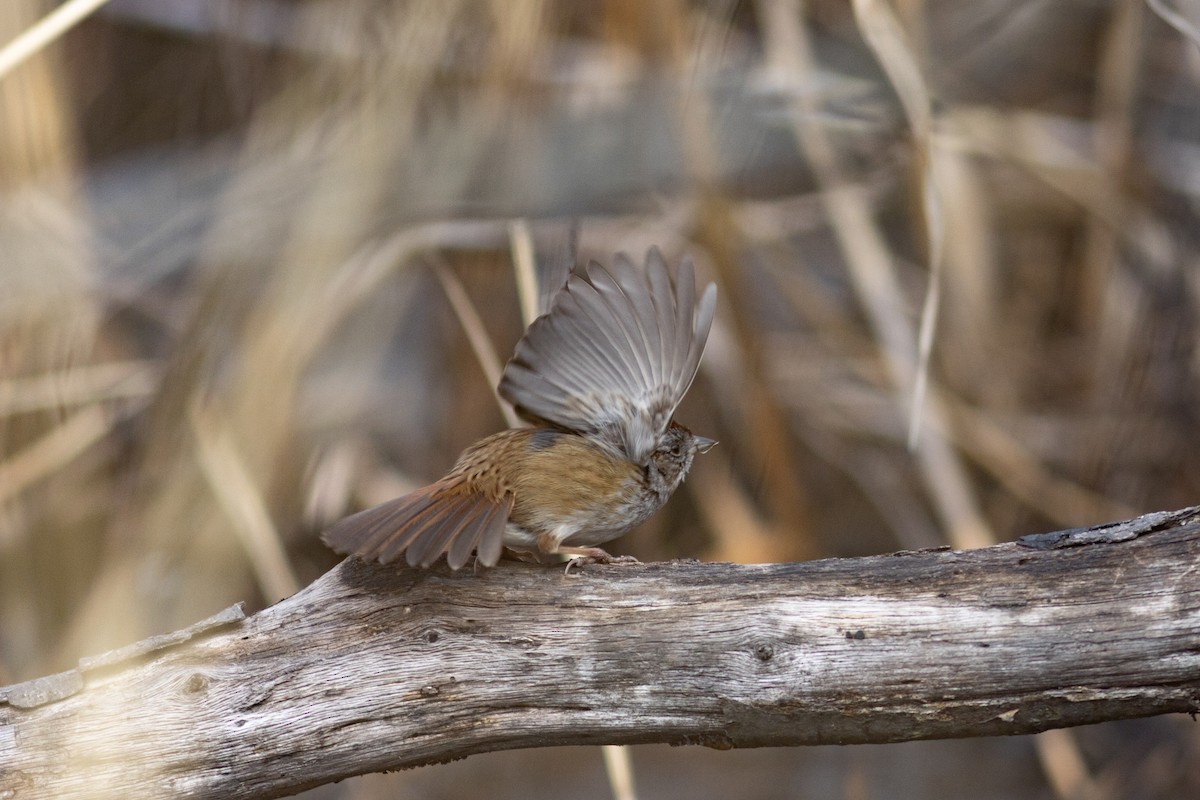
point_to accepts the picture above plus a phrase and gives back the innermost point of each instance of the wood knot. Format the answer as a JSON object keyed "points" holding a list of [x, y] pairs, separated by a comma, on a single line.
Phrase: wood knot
{"points": [[195, 684]]}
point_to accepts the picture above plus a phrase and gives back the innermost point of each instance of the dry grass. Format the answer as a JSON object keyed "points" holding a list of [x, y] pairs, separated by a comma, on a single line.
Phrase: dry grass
{"points": [[257, 260]]}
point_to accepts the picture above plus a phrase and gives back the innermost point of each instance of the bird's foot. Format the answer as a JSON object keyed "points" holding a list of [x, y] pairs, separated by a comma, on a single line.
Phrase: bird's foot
{"points": [[593, 555]]}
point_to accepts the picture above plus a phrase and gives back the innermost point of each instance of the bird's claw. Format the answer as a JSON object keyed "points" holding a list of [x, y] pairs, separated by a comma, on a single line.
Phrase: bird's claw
{"points": [[600, 558]]}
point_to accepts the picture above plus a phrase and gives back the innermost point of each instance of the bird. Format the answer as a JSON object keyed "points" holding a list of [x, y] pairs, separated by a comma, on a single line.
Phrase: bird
{"points": [[598, 377]]}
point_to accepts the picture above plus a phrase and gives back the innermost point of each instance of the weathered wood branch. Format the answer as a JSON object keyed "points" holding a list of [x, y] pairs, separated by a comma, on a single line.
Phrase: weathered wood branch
{"points": [[373, 668]]}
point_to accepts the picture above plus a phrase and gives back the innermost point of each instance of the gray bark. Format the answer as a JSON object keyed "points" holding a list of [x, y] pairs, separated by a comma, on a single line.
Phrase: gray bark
{"points": [[373, 668]]}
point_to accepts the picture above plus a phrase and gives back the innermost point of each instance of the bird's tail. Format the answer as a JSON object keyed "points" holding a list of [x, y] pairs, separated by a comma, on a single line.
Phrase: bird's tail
{"points": [[443, 517]]}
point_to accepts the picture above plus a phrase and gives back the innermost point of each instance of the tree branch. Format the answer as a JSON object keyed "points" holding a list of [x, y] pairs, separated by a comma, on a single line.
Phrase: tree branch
{"points": [[373, 668]]}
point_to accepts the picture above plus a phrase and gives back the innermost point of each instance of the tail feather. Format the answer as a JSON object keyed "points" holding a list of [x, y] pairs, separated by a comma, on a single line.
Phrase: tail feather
{"points": [[424, 524], [441, 526], [463, 545], [491, 531]]}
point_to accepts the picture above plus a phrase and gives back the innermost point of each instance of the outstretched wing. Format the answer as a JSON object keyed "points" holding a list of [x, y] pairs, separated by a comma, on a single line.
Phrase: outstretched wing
{"points": [[615, 354]]}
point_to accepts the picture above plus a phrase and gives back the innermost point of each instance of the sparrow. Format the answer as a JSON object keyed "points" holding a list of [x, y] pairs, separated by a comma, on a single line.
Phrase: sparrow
{"points": [[599, 377]]}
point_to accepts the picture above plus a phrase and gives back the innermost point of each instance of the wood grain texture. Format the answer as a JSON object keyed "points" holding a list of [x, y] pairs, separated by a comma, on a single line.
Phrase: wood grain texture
{"points": [[374, 667]]}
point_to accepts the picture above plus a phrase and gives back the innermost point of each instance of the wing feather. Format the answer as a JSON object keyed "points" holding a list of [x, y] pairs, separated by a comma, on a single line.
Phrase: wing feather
{"points": [[615, 353], [662, 295], [625, 313], [705, 313], [596, 357], [629, 279], [608, 329], [685, 283]]}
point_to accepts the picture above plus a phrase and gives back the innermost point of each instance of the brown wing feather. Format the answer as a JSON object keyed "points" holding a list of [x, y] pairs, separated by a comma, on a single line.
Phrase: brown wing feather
{"points": [[424, 524]]}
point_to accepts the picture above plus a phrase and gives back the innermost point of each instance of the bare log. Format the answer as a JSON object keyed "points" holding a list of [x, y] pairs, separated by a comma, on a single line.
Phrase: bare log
{"points": [[373, 668]]}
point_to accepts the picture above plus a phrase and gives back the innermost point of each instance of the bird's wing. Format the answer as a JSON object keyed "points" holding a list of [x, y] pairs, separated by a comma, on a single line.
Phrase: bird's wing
{"points": [[615, 354]]}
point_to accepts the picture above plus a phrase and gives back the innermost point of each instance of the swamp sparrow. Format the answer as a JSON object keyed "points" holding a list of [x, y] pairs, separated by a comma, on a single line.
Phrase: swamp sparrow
{"points": [[599, 375]]}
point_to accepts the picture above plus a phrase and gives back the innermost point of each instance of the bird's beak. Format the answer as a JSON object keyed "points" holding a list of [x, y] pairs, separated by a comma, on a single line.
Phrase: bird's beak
{"points": [[703, 443]]}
